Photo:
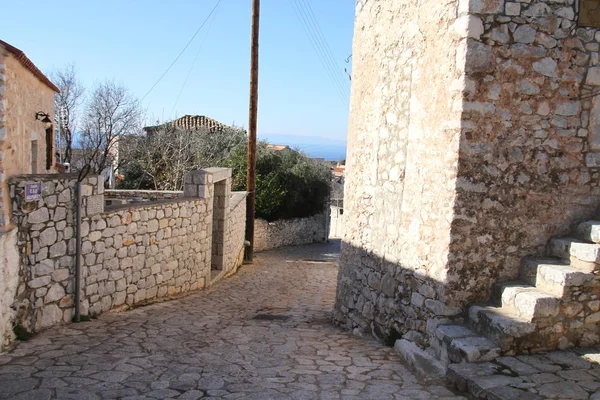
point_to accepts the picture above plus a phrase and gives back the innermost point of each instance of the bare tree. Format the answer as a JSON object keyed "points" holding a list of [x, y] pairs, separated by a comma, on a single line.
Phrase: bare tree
{"points": [[111, 113], [66, 105], [167, 153]]}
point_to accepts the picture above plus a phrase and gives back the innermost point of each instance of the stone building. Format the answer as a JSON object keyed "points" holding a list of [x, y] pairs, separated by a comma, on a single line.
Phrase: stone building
{"points": [[474, 140], [26, 113]]}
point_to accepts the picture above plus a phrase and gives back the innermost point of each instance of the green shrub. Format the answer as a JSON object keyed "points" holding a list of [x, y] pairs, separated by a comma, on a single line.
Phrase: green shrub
{"points": [[288, 183]]}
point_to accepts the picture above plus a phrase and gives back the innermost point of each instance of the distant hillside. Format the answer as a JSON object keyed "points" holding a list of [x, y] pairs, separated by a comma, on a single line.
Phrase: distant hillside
{"points": [[314, 146]]}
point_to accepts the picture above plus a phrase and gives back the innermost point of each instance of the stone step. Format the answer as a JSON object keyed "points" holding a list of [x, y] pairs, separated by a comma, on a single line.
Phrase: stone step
{"points": [[457, 344], [589, 231], [489, 381], [528, 302], [581, 255], [553, 276], [499, 324]]}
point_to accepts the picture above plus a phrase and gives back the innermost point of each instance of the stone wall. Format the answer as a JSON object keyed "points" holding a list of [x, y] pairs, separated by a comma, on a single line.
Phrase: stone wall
{"points": [[46, 243], [236, 232], [129, 254], [22, 94], [529, 152], [466, 153], [401, 166], [9, 281], [143, 252], [289, 232]]}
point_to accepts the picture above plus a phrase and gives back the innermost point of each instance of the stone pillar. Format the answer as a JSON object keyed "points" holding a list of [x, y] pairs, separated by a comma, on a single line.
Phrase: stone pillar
{"points": [[220, 212], [213, 184]]}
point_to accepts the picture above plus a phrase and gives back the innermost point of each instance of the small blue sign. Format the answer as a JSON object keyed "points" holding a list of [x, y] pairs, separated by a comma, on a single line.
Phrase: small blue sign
{"points": [[33, 191]]}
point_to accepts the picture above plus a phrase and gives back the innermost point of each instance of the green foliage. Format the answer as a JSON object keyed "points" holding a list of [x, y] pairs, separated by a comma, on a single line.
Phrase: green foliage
{"points": [[288, 183], [135, 178]]}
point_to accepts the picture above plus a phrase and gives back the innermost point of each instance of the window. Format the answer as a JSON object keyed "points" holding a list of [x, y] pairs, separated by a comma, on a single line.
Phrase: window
{"points": [[34, 156]]}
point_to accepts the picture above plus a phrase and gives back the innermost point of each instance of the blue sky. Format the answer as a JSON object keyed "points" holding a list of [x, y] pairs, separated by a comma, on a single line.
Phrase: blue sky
{"points": [[134, 41]]}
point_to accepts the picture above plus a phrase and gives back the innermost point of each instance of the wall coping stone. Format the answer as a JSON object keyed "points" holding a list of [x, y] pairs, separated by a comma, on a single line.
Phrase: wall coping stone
{"points": [[109, 191], [149, 204], [237, 198]]}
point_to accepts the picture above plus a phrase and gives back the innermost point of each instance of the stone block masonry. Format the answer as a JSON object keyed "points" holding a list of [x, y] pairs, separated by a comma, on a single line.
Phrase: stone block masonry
{"points": [[46, 243], [466, 153], [235, 235], [129, 254], [529, 137], [404, 134], [289, 232], [141, 253]]}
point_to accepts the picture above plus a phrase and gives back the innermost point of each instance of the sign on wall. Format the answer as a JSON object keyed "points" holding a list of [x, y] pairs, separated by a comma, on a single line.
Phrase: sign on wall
{"points": [[33, 191], [589, 13]]}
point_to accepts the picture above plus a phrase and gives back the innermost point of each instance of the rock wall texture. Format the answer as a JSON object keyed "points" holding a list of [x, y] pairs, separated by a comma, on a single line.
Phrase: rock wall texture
{"points": [[401, 166], [9, 281], [141, 253], [235, 236], [529, 159], [46, 243], [289, 232], [466, 153], [129, 255]]}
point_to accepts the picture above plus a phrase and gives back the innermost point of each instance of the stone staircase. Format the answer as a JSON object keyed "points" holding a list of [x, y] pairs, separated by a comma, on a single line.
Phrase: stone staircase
{"points": [[555, 304]]}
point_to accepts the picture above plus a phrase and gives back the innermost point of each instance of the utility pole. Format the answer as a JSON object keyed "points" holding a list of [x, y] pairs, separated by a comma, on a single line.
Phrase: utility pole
{"points": [[251, 171]]}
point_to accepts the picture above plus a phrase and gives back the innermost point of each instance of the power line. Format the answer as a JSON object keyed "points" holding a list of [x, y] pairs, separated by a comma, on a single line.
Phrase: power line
{"points": [[195, 59], [182, 51], [312, 35], [317, 48], [325, 45]]}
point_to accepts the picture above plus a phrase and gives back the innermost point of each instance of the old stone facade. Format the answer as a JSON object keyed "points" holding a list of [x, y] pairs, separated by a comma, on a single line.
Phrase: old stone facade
{"points": [[466, 153], [289, 232], [26, 144], [129, 254]]}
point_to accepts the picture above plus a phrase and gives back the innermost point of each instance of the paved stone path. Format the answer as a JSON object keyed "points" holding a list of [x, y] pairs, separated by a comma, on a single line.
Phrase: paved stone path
{"points": [[573, 374], [208, 345]]}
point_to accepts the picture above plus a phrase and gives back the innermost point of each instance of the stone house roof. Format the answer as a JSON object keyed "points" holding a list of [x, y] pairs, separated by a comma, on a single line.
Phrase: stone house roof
{"points": [[190, 122], [27, 63]]}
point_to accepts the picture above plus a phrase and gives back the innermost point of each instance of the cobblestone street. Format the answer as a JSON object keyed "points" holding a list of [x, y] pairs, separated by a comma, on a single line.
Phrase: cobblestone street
{"points": [[211, 345]]}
